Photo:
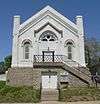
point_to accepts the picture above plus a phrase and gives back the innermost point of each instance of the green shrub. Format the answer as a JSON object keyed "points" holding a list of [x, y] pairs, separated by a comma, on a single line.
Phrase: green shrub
{"points": [[18, 94], [2, 84], [79, 94]]}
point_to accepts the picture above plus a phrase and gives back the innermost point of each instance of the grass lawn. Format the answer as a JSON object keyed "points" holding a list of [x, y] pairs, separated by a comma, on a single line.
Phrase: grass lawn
{"points": [[30, 95], [18, 94], [79, 94]]}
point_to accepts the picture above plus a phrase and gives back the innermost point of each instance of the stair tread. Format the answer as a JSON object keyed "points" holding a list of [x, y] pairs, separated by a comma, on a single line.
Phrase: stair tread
{"points": [[84, 76], [49, 95]]}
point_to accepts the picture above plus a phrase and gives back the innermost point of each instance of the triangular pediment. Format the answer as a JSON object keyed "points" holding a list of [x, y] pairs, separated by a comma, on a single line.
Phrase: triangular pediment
{"points": [[48, 24], [48, 11]]}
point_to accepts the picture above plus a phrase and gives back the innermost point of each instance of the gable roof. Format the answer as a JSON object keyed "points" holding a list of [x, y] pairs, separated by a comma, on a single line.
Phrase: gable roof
{"points": [[49, 11]]}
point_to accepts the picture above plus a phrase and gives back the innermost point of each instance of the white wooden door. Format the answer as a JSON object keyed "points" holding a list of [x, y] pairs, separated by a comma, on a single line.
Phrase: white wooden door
{"points": [[49, 82], [53, 82], [45, 82]]}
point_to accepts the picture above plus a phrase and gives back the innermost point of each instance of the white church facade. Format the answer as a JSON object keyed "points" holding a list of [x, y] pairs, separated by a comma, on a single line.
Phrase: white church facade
{"points": [[48, 51]]}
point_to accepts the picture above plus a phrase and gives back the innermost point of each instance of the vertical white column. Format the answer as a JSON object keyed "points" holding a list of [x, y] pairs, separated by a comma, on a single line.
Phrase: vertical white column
{"points": [[16, 25], [79, 23]]}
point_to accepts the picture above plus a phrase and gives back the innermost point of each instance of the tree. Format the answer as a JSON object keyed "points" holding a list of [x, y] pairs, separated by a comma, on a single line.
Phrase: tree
{"points": [[2, 68], [92, 51], [7, 62], [92, 54]]}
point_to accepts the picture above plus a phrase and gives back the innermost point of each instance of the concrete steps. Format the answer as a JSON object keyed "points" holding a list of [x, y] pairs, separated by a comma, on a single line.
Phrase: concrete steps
{"points": [[49, 95], [83, 75]]}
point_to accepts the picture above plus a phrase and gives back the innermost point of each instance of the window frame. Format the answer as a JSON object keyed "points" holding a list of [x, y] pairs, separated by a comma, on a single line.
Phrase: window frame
{"points": [[70, 53], [26, 51], [48, 36], [69, 43]]}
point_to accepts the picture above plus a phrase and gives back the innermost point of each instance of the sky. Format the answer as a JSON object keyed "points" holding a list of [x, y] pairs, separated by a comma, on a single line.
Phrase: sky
{"points": [[89, 9]]}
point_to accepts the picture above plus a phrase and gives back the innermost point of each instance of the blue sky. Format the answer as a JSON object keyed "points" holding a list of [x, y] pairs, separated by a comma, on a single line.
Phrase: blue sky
{"points": [[89, 9]]}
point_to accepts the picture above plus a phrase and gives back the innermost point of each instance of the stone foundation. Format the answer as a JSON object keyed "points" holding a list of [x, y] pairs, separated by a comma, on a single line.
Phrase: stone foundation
{"points": [[23, 77], [32, 77]]}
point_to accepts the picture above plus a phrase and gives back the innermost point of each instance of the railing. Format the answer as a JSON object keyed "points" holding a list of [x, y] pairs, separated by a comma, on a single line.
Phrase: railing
{"points": [[56, 58], [47, 58], [59, 58]]}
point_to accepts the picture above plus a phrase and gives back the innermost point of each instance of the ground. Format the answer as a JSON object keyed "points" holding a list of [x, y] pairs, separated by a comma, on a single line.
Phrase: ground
{"points": [[80, 102], [30, 95], [73, 94]]}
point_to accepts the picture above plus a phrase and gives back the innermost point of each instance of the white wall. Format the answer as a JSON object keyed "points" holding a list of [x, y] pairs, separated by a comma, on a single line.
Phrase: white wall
{"points": [[38, 46]]}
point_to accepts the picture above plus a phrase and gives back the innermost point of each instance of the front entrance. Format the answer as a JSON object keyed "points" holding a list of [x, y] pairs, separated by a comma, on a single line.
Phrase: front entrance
{"points": [[49, 81], [48, 56]]}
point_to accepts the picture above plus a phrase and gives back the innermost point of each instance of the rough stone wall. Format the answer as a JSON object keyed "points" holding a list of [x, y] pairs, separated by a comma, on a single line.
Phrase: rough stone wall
{"points": [[23, 77], [32, 77], [75, 82], [36, 79]]}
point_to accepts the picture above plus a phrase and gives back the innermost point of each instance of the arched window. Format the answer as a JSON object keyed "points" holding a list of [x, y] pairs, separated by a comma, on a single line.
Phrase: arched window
{"points": [[69, 52], [48, 36], [26, 50], [69, 45]]}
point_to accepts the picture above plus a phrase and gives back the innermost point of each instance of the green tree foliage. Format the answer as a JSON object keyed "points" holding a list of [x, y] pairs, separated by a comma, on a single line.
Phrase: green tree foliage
{"points": [[92, 54], [4, 65], [92, 51], [2, 68], [7, 62]]}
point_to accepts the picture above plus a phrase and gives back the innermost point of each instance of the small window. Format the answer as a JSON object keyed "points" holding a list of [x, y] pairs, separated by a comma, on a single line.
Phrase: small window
{"points": [[48, 36], [51, 40], [70, 52], [44, 39], [26, 50], [69, 44], [69, 49]]}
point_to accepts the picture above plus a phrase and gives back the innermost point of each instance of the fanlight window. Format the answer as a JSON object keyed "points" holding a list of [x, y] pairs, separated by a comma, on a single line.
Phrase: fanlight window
{"points": [[26, 50], [48, 36]]}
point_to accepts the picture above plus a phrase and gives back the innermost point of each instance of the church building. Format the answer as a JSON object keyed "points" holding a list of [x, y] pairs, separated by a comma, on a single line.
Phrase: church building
{"points": [[48, 52]]}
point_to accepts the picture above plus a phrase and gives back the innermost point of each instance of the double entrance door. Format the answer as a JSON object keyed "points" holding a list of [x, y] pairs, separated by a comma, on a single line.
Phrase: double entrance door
{"points": [[49, 81], [48, 56]]}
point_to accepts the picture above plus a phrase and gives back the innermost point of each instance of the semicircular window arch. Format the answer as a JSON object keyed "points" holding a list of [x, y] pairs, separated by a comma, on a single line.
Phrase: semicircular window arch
{"points": [[48, 36], [69, 42]]}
